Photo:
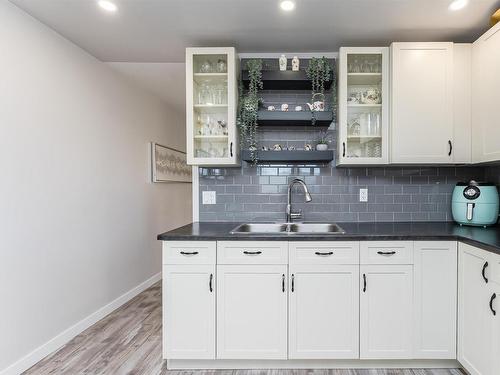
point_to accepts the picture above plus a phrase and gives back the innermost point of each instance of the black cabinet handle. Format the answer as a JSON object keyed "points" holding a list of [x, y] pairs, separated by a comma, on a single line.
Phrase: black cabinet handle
{"points": [[210, 283], [283, 283], [343, 152], [451, 148], [323, 254], [364, 283], [231, 149], [189, 252], [493, 296], [252, 252], [386, 252], [483, 272], [293, 283]]}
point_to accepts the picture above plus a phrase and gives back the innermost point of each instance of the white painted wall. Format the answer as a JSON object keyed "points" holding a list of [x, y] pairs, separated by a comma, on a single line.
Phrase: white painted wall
{"points": [[78, 216]]}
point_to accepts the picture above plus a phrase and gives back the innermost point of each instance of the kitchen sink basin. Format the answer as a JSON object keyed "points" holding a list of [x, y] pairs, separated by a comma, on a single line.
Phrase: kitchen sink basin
{"points": [[323, 228], [288, 228]]}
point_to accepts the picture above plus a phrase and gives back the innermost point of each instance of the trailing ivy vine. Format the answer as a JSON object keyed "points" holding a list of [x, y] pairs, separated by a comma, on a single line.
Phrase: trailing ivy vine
{"points": [[249, 107], [318, 71]]}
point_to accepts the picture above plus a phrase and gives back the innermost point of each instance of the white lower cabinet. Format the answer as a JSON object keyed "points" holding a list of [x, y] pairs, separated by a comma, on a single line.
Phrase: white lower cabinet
{"points": [[189, 311], [435, 299], [323, 312], [478, 343], [386, 311], [252, 311]]}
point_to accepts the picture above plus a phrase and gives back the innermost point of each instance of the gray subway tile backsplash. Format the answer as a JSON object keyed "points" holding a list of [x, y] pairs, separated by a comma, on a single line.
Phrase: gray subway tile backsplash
{"points": [[258, 193]]}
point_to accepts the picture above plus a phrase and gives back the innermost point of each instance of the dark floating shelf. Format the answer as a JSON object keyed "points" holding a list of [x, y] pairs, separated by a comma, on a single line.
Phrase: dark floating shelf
{"points": [[292, 118], [289, 156], [284, 80]]}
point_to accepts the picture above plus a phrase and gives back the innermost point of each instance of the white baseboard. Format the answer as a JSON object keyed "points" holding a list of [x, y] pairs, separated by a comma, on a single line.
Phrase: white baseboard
{"points": [[55, 343]]}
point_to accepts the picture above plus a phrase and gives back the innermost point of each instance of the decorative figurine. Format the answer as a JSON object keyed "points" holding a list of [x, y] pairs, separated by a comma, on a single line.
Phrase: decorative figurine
{"points": [[284, 107], [308, 147], [277, 147], [298, 108], [295, 64], [283, 62], [271, 108]]}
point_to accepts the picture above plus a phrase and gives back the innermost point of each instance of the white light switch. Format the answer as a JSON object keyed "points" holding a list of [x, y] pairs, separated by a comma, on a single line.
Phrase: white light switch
{"points": [[363, 195], [208, 197]]}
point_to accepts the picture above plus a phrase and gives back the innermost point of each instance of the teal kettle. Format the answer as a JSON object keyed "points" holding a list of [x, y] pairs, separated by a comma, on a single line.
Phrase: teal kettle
{"points": [[475, 203]]}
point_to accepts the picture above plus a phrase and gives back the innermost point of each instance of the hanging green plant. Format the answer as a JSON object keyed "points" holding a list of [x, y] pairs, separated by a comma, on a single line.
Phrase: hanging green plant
{"points": [[249, 107], [318, 71]]}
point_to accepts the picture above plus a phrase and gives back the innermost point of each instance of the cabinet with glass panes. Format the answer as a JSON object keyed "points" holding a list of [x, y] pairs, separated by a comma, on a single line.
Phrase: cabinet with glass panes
{"points": [[211, 100], [363, 106]]}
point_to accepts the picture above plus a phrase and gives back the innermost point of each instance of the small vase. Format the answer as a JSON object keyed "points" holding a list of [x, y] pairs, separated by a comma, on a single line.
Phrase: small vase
{"points": [[295, 64], [321, 147], [283, 62]]}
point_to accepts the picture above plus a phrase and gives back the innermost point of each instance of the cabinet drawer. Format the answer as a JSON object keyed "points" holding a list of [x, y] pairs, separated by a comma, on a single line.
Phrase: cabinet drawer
{"points": [[189, 252], [386, 252], [252, 252], [324, 252]]}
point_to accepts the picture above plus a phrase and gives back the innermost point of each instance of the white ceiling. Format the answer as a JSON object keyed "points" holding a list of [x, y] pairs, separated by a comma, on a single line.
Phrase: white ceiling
{"points": [[159, 30]]}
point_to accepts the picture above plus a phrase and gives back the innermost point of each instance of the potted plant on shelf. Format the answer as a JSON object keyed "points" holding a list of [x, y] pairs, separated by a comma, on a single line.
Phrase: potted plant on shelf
{"points": [[249, 107], [323, 141]]}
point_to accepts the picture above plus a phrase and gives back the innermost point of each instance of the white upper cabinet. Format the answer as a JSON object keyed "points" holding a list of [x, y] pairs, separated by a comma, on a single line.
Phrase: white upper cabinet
{"points": [[363, 106], [485, 91], [211, 101], [422, 103]]}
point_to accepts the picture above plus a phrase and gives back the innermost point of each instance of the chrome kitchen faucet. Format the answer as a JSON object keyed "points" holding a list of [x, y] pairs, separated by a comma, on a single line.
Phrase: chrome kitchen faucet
{"points": [[290, 215]]}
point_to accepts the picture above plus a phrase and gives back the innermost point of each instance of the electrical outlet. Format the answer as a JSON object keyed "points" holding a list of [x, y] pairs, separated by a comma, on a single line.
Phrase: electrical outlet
{"points": [[209, 197], [363, 195]]}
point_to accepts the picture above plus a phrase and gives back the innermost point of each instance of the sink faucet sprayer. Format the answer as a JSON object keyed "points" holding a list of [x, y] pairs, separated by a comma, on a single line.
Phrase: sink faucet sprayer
{"points": [[290, 215]]}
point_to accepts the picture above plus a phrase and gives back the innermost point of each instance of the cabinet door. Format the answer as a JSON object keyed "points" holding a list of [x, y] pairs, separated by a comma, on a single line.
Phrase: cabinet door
{"points": [[485, 84], [474, 319], [211, 100], [386, 311], [363, 106], [252, 312], [324, 312], [188, 312], [422, 103], [435, 282]]}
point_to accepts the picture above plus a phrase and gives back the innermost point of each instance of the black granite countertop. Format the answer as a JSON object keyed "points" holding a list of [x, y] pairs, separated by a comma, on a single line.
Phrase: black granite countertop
{"points": [[485, 238]]}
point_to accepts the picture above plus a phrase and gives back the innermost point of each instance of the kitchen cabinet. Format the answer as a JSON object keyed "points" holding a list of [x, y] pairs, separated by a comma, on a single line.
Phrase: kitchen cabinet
{"points": [[435, 299], [189, 311], [386, 311], [478, 344], [252, 311], [211, 104], [485, 88], [324, 311], [363, 106], [422, 90]]}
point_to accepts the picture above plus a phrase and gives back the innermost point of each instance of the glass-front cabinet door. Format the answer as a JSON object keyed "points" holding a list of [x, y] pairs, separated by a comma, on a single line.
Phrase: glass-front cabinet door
{"points": [[211, 100], [363, 106]]}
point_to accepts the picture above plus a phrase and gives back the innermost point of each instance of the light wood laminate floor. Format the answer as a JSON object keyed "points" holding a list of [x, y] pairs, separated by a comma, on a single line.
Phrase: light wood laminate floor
{"points": [[128, 341]]}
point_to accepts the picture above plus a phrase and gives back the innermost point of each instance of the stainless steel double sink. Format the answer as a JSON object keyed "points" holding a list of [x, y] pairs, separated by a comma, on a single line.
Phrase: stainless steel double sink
{"points": [[288, 228]]}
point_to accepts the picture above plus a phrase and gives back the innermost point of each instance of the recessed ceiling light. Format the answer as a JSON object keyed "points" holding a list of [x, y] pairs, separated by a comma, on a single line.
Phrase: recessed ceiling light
{"points": [[458, 4], [107, 5], [287, 5]]}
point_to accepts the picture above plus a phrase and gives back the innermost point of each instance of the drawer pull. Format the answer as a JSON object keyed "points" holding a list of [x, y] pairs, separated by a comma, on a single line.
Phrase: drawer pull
{"points": [[293, 283], [324, 254], [189, 252], [252, 252], [483, 272], [493, 296], [283, 283], [364, 283], [210, 283], [386, 252]]}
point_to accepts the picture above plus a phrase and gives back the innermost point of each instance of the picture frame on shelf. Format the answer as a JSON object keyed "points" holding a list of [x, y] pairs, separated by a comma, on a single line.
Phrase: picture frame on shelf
{"points": [[169, 164]]}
